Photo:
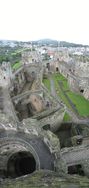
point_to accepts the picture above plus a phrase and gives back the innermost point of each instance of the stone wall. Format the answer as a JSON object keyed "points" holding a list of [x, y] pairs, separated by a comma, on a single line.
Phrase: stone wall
{"points": [[78, 76]]}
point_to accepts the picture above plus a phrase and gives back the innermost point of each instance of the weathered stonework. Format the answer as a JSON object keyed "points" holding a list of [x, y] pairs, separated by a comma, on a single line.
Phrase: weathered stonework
{"points": [[32, 136], [77, 74]]}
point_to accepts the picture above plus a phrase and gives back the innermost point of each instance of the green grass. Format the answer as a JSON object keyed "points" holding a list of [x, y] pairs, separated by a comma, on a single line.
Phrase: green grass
{"points": [[16, 66], [66, 117], [82, 105], [65, 85], [59, 77], [80, 102], [46, 82], [59, 92]]}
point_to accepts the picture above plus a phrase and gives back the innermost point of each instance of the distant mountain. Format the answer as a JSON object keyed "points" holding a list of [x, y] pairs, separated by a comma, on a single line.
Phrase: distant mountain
{"points": [[68, 44], [46, 42], [41, 42], [10, 43], [57, 43]]}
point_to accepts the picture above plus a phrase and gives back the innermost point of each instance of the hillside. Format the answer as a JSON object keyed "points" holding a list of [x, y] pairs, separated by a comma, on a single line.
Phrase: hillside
{"points": [[41, 42]]}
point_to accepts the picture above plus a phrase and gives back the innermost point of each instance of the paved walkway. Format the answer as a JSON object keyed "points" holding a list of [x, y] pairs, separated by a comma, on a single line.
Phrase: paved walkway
{"points": [[53, 92], [53, 89]]}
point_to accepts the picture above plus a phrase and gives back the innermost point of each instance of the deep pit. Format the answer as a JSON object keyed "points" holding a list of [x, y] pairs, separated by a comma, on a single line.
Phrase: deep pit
{"points": [[20, 164]]}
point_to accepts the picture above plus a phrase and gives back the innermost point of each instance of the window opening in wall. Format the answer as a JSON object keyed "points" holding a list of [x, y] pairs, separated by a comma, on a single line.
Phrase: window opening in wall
{"points": [[82, 90], [57, 69], [76, 169]]}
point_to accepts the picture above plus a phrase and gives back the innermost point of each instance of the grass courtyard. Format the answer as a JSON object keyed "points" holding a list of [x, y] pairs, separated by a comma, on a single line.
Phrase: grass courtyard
{"points": [[46, 82], [16, 65], [80, 103]]}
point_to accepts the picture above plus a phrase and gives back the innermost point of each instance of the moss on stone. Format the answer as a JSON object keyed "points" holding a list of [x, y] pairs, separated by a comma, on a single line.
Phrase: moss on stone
{"points": [[44, 179]]}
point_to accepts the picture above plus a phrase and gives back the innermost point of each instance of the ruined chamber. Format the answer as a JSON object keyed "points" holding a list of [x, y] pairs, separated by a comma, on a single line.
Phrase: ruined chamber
{"points": [[39, 141], [29, 147]]}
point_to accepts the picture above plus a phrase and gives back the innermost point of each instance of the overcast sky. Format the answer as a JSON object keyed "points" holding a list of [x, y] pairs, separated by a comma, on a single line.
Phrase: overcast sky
{"points": [[36, 19]]}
